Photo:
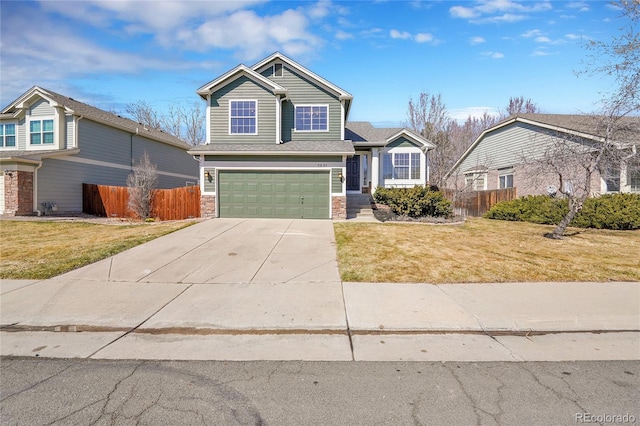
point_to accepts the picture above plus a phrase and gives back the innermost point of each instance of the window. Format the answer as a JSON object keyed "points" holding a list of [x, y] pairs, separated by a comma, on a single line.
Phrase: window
{"points": [[243, 117], [312, 118], [277, 70], [415, 165], [506, 181], [612, 179], [476, 181], [41, 132], [401, 165], [7, 135], [633, 177]]}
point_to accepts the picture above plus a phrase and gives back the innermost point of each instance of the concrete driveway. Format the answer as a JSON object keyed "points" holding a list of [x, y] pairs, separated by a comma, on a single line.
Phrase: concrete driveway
{"points": [[227, 251]]}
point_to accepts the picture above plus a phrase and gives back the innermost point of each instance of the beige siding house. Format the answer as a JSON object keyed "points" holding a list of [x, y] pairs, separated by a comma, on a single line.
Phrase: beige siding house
{"points": [[498, 156]]}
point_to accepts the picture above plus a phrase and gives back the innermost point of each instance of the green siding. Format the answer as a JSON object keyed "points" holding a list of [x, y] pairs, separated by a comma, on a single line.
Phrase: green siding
{"points": [[303, 91], [274, 194], [336, 183], [209, 181], [402, 142], [243, 88]]}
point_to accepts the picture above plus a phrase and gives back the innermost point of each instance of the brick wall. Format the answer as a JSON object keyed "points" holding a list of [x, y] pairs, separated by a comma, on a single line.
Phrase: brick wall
{"points": [[208, 206], [18, 193], [338, 207]]}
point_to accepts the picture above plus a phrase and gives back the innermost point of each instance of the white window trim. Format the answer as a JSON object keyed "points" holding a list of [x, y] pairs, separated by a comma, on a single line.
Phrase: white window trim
{"points": [[10, 148], [42, 146], [243, 100], [504, 173], [273, 72], [404, 150], [295, 114], [475, 176]]}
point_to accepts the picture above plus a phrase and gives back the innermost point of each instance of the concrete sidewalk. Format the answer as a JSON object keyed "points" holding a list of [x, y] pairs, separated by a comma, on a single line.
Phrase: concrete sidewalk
{"points": [[322, 321], [270, 289]]}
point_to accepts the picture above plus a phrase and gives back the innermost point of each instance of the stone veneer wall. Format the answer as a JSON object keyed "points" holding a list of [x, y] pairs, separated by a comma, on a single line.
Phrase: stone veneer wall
{"points": [[208, 206], [338, 207], [18, 193]]}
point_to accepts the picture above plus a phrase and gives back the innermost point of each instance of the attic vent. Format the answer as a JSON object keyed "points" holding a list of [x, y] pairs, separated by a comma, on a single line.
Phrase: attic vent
{"points": [[277, 70]]}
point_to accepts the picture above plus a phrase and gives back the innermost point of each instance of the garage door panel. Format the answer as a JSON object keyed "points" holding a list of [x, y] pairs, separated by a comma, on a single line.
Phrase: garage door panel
{"points": [[284, 194]]}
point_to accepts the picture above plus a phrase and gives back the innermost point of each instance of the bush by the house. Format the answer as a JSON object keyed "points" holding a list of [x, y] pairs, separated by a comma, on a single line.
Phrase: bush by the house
{"points": [[415, 202], [609, 211]]}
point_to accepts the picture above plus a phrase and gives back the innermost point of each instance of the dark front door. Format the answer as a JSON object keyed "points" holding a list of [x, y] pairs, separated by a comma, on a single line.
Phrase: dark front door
{"points": [[353, 173]]}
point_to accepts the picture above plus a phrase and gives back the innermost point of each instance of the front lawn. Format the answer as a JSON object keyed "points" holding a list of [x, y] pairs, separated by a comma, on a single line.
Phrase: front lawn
{"points": [[483, 250], [38, 250]]}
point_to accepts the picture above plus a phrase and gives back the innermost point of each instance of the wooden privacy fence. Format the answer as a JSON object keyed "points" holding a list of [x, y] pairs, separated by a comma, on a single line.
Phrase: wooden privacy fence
{"points": [[168, 204], [477, 203]]}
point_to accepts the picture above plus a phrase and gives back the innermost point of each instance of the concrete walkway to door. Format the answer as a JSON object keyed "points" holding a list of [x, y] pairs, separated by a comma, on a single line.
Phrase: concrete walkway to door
{"points": [[235, 289]]}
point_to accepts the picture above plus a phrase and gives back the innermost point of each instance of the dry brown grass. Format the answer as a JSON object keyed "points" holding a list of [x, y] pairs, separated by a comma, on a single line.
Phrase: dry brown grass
{"points": [[36, 250], [483, 250]]}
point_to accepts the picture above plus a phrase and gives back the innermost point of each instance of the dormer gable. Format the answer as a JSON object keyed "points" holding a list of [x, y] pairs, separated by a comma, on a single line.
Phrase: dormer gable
{"points": [[238, 72]]}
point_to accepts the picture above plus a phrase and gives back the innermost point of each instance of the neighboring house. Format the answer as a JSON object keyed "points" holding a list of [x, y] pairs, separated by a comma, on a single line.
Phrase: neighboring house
{"points": [[279, 145], [496, 159], [51, 144]]}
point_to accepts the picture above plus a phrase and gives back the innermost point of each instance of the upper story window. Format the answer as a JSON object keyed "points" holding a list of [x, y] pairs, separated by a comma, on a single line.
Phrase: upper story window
{"points": [[277, 70], [41, 132], [243, 117], [401, 165], [7, 135], [312, 118]]}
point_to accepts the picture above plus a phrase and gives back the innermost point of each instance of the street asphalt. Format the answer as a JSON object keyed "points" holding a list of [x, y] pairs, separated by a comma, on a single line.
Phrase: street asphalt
{"points": [[260, 289]]}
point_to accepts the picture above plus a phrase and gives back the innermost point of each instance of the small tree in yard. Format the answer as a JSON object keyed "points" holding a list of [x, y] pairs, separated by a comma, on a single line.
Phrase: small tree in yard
{"points": [[142, 183]]}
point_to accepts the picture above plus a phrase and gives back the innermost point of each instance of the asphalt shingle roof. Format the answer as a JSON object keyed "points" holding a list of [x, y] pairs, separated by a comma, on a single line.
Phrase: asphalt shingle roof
{"points": [[101, 116], [301, 147]]}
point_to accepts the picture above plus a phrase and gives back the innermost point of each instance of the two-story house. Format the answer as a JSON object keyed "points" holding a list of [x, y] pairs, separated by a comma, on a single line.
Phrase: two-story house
{"points": [[51, 144], [279, 144]]}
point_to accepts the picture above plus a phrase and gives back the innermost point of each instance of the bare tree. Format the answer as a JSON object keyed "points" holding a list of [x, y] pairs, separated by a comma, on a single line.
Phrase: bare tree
{"points": [[141, 184], [185, 122], [520, 105], [143, 113], [576, 162], [428, 117]]}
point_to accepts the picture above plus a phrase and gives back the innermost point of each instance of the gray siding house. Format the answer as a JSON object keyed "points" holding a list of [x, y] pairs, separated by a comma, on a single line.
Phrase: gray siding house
{"points": [[496, 159], [52, 144], [279, 144]]}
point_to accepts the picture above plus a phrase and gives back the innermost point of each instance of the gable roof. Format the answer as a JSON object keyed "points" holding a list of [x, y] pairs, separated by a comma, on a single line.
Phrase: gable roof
{"points": [[234, 74], [341, 93], [71, 106], [584, 126], [363, 133]]}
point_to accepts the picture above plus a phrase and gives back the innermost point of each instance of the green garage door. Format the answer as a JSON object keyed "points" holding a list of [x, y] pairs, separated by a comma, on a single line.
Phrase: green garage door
{"points": [[278, 194]]}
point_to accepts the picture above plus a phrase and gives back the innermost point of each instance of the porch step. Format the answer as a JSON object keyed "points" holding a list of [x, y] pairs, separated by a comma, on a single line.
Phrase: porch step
{"points": [[359, 207]]}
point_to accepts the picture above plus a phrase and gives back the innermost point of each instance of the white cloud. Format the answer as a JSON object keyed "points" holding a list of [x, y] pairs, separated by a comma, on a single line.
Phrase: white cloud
{"points": [[493, 55], [540, 52], [461, 114], [424, 37], [531, 33], [498, 11], [582, 6], [477, 40], [403, 35], [542, 39], [343, 35]]}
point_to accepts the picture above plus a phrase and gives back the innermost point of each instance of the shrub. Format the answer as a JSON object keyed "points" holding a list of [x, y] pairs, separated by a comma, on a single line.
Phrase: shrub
{"points": [[414, 202], [610, 211]]}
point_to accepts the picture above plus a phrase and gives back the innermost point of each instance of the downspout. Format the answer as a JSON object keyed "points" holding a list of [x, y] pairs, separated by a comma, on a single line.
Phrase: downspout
{"points": [[76, 137], [35, 189]]}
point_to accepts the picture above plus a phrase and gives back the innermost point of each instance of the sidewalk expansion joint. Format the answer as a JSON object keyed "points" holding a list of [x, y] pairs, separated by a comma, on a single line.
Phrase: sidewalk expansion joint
{"points": [[293, 331]]}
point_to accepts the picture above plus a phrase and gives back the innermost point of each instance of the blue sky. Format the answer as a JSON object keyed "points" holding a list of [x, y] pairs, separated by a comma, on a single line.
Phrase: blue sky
{"points": [[476, 54]]}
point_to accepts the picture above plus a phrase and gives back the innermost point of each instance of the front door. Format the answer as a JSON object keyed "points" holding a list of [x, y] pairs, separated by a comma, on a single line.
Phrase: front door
{"points": [[353, 173]]}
